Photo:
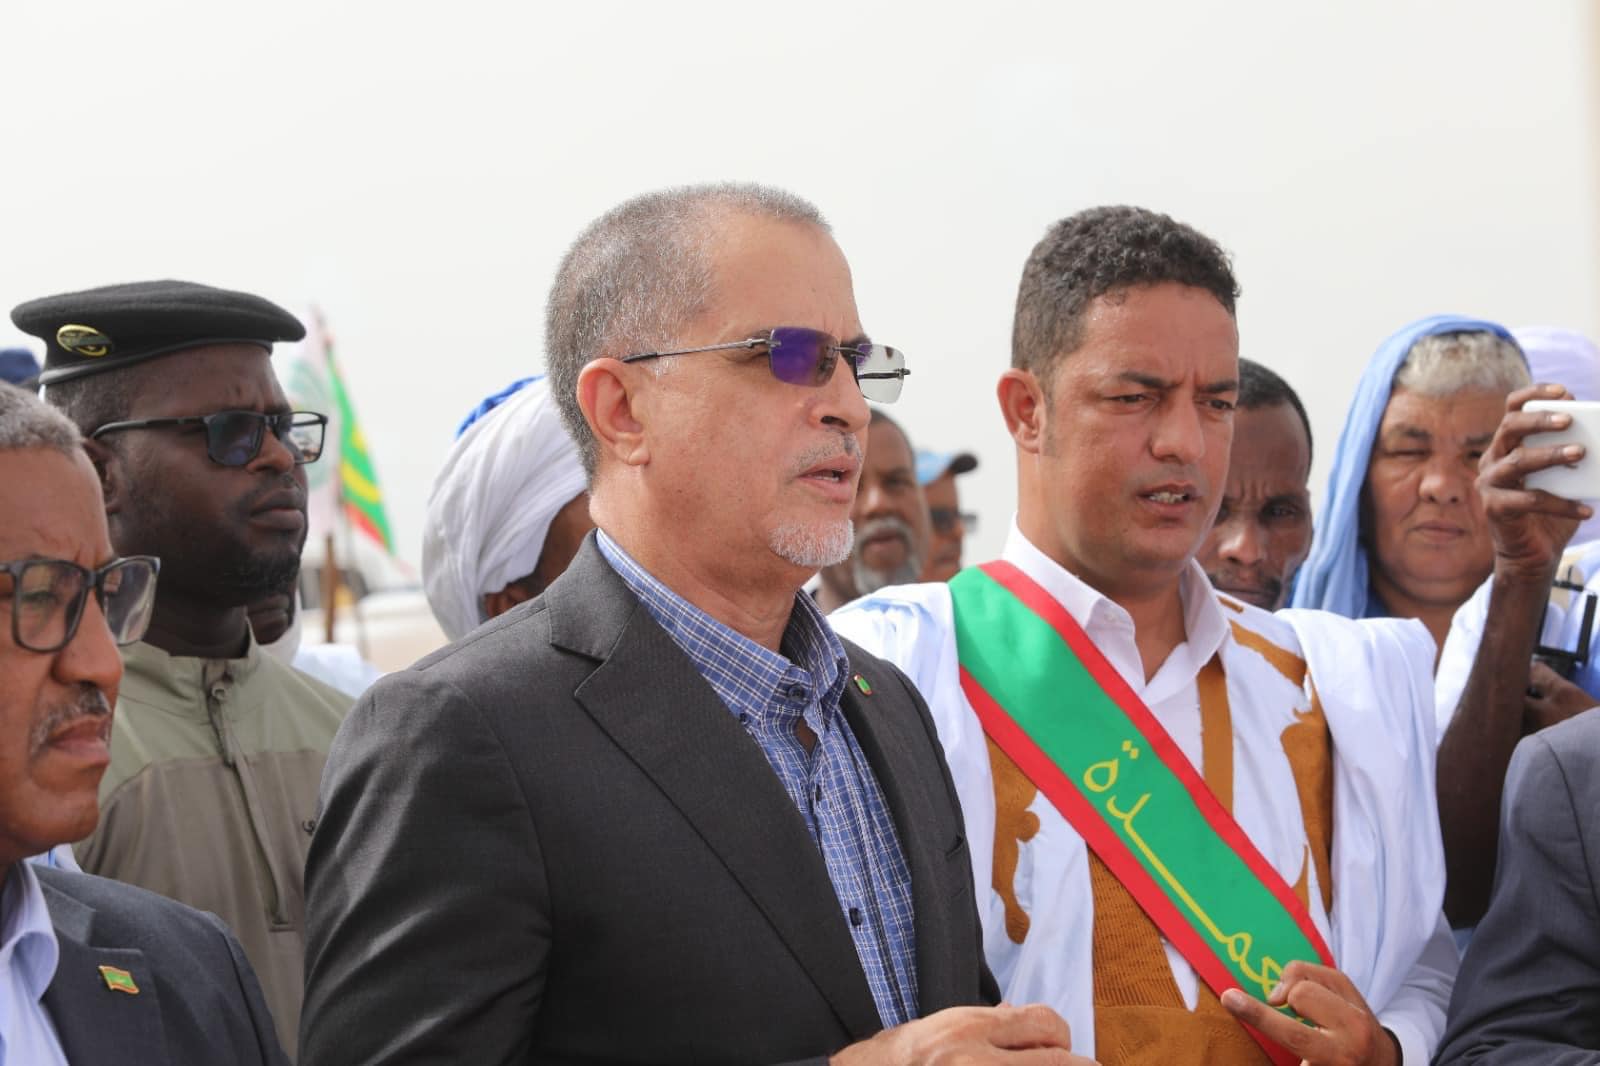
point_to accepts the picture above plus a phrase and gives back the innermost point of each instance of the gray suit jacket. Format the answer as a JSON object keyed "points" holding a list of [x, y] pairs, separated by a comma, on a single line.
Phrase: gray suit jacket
{"points": [[551, 842], [1529, 987], [197, 1003]]}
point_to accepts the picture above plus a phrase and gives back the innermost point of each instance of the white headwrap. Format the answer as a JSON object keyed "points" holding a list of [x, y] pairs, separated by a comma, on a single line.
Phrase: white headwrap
{"points": [[1565, 357], [506, 477]]}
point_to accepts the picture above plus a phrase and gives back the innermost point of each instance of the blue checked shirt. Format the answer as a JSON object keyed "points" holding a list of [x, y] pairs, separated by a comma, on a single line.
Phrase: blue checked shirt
{"points": [[831, 786]]}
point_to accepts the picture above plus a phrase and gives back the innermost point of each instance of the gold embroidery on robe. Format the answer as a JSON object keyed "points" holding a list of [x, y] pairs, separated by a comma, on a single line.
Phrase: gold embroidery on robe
{"points": [[1014, 825]]}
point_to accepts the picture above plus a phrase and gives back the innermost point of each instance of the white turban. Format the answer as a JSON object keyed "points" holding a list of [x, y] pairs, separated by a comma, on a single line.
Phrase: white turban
{"points": [[1565, 357], [506, 477]]}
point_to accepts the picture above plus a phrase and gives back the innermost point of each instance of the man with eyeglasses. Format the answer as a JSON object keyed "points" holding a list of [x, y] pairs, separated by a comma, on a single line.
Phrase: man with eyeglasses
{"points": [[91, 971], [949, 524], [211, 794], [659, 813]]}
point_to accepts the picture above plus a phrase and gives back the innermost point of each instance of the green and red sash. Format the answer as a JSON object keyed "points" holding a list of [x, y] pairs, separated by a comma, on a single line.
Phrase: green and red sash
{"points": [[1050, 700]]}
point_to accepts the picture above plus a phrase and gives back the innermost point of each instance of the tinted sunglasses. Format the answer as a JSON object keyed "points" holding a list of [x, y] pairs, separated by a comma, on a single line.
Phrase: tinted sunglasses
{"points": [[801, 356], [234, 438], [48, 595]]}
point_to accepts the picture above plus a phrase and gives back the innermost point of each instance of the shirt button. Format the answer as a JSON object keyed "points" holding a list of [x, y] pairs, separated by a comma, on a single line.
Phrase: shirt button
{"points": [[855, 916], [797, 692], [744, 718]]}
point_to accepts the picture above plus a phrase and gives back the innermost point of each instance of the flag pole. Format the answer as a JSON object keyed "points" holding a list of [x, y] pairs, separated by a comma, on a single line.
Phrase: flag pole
{"points": [[330, 586]]}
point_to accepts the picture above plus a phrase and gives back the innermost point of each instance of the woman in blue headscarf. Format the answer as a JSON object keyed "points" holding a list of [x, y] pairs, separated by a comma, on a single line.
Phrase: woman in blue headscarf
{"points": [[1401, 531]]}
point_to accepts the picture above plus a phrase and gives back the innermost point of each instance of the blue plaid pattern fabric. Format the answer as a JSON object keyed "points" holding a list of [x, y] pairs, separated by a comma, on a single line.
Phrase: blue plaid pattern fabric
{"points": [[832, 786]]}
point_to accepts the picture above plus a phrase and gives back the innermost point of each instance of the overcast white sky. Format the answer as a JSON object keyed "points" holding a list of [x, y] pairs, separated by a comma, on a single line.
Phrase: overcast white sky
{"points": [[416, 170]]}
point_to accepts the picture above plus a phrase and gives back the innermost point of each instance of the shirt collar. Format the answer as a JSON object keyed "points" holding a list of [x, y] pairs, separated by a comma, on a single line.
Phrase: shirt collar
{"points": [[1204, 623], [808, 643], [179, 682], [28, 945]]}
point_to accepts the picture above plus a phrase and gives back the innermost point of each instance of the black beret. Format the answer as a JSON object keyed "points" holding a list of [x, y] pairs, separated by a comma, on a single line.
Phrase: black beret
{"points": [[115, 326]]}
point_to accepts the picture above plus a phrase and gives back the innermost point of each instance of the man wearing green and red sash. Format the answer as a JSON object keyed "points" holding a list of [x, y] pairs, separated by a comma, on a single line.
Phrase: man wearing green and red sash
{"points": [[1202, 832]]}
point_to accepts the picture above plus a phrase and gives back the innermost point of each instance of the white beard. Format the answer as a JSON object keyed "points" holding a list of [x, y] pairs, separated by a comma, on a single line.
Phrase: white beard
{"points": [[814, 545]]}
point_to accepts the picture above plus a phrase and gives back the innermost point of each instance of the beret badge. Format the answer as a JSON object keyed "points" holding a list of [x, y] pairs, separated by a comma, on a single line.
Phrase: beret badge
{"points": [[83, 340]]}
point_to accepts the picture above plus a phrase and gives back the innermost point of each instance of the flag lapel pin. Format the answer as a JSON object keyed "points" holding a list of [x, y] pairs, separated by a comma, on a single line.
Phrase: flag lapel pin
{"points": [[119, 980], [863, 685]]}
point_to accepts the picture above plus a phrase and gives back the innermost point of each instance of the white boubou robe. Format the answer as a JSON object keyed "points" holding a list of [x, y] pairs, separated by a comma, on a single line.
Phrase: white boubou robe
{"points": [[1386, 928]]}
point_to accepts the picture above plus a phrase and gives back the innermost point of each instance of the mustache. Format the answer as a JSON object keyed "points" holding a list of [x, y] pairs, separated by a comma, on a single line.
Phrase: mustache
{"points": [[89, 702], [884, 524], [843, 445]]}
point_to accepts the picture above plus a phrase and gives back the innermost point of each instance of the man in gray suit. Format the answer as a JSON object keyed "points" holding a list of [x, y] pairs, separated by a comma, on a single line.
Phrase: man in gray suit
{"points": [[91, 971], [1529, 987], [661, 813]]}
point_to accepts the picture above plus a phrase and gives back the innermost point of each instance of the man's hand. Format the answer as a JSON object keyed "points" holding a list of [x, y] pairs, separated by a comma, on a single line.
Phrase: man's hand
{"points": [[1551, 698], [1025, 1036], [1530, 528], [1343, 1030]]}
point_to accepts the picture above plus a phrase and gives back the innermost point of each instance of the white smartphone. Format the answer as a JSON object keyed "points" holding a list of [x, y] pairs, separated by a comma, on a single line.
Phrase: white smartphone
{"points": [[1581, 480]]}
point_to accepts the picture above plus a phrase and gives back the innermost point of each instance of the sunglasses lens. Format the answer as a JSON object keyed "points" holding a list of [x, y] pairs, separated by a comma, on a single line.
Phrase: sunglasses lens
{"points": [[304, 436], [46, 603], [801, 356], [233, 438], [880, 371], [129, 596]]}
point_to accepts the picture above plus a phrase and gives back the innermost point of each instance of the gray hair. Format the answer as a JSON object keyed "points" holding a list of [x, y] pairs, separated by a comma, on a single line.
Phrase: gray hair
{"points": [[1444, 364], [28, 422], [637, 275]]}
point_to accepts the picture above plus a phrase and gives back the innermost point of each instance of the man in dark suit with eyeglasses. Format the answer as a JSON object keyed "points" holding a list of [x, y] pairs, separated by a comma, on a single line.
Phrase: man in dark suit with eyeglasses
{"points": [[660, 813], [219, 748], [92, 972]]}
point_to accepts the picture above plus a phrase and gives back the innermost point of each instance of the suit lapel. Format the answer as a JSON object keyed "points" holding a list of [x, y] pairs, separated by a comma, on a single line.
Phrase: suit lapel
{"points": [[96, 1023], [894, 746], [649, 698]]}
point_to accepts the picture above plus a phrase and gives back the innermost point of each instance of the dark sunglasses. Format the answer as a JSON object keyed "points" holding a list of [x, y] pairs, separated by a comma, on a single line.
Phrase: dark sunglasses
{"points": [[234, 438], [47, 598], [801, 356], [947, 520]]}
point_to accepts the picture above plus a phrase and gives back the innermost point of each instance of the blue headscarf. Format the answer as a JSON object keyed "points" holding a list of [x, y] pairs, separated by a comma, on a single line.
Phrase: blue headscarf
{"points": [[1335, 575]]}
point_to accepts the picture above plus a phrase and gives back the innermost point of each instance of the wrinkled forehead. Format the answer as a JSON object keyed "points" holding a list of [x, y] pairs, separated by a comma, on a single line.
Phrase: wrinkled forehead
{"points": [[196, 381]]}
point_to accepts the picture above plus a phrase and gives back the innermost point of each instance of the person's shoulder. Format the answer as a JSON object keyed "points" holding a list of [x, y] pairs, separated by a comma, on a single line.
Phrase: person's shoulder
{"points": [[901, 609], [1265, 625], [1391, 639], [509, 658], [128, 916], [1574, 743]]}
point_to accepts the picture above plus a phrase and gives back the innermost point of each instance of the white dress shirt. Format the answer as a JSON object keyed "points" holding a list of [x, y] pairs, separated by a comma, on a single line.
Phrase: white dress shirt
{"points": [[28, 956]]}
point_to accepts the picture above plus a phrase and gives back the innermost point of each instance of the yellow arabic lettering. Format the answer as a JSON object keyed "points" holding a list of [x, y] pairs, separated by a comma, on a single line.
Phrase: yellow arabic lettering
{"points": [[1108, 771], [1239, 944]]}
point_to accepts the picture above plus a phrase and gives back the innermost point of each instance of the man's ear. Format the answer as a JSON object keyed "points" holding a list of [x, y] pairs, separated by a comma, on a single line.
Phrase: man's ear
{"points": [[1022, 403], [108, 468], [608, 391]]}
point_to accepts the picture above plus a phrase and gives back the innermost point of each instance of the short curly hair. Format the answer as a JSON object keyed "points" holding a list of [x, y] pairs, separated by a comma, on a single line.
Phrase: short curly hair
{"points": [[1103, 250]]}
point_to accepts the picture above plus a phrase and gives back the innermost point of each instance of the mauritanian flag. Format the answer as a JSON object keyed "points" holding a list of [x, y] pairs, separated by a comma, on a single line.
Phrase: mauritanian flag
{"points": [[358, 481], [344, 482]]}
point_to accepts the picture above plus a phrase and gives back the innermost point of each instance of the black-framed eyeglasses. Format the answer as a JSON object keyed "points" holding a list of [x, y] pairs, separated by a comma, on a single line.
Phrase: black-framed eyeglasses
{"points": [[801, 356], [48, 595], [234, 438], [947, 520]]}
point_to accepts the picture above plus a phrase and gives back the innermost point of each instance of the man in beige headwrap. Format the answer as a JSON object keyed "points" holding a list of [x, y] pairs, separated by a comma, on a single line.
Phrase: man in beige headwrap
{"points": [[507, 512]]}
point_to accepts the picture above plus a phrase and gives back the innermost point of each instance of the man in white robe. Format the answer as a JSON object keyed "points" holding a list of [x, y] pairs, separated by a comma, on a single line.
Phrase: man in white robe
{"points": [[1315, 731]]}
